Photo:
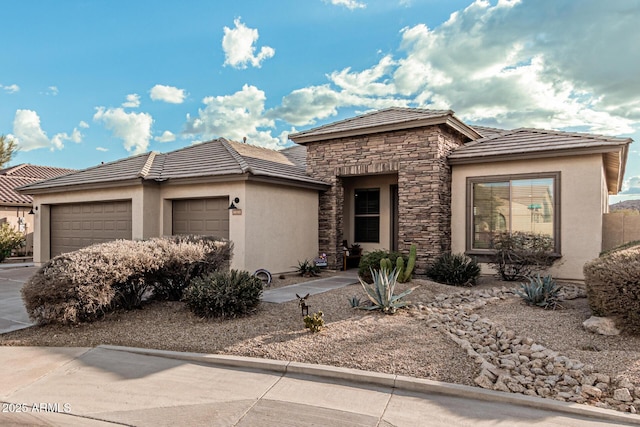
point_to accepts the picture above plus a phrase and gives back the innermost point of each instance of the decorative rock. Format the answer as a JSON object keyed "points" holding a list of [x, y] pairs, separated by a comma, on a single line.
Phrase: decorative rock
{"points": [[537, 348], [483, 381], [601, 325], [589, 379], [591, 391], [570, 380], [622, 395]]}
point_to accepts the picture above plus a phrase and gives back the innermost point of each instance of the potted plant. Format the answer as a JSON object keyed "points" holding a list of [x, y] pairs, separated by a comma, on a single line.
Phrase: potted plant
{"points": [[355, 250]]}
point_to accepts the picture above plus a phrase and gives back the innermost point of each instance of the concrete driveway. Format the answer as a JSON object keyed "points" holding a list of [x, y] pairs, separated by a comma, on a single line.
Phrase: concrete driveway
{"points": [[13, 315]]}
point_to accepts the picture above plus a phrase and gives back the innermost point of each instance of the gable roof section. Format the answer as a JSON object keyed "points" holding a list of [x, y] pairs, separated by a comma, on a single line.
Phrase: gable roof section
{"points": [[24, 174], [216, 158], [528, 143], [387, 120]]}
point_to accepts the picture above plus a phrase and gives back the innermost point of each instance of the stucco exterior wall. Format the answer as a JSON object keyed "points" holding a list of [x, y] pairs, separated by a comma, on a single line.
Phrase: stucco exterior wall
{"points": [[418, 156], [581, 205], [281, 226]]}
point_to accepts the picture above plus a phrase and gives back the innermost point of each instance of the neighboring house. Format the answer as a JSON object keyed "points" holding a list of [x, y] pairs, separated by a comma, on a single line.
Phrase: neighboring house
{"points": [[387, 179], [410, 176], [14, 206], [188, 191]]}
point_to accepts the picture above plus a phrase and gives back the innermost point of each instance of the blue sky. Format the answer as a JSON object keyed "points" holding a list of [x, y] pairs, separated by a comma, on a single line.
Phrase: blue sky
{"points": [[86, 81]]}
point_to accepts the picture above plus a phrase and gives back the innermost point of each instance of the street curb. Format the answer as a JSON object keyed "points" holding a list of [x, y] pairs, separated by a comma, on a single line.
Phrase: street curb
{"points": [[396, 382]]}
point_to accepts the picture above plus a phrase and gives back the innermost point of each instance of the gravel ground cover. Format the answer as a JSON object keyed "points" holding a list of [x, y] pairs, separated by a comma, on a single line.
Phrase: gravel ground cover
{"points": [[404, 344]]}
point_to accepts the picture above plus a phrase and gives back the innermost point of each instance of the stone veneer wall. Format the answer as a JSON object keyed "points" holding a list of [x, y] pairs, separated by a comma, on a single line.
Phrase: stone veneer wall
{"points": [[419, 156]]}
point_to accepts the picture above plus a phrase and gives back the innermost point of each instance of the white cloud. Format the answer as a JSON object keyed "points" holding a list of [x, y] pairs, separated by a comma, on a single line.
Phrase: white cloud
{"points": [[133, 128], [234, 117], [169, 94], [133, 101], [83, 124], [167, 136], [52, 90], [631, 185], [238, 45], [28, 134], [102, 149], [349, 4], [11, 88]]}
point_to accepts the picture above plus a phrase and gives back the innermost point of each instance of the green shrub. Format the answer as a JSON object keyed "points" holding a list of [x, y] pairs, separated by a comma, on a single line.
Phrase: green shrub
{"points": [[223, 294], [541, 291], [370, 261], [81, 286], [10, 239], [613, 286], [315, 322], [186, 257], [519, 254], [308, 268], [454, 269], [381, 291]]}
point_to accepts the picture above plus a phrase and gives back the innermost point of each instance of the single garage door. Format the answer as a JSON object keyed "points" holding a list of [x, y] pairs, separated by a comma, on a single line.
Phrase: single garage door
{"points": [[76, 225], [208, 217]]}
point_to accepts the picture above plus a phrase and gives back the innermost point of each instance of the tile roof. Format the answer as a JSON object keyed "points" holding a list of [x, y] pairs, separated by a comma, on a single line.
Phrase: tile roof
{"points": [[297, 154], [389, 119], [526, 141], [24, 174], [486, 131], [218, 157]]}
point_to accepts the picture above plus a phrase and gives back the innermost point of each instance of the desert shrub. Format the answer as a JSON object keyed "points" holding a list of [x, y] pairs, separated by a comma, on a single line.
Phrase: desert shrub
{"points": [[308, 268], [519, 254], [223, 294], [541, 291], [184, 258], [454, 269], [370, 261], [381, 292], [613, 286], [81, 286], [10, 239]]}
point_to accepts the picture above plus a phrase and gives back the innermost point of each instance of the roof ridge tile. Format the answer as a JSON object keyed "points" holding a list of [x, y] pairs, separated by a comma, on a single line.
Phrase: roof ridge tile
{"points": [[147, 165], [244, 166]]}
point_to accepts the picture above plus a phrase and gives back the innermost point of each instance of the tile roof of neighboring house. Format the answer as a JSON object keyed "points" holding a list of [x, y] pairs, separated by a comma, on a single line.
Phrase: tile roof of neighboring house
{"points": [[487, 132], [218, 157], [389, 119], [297, 154], [539, 143], [24, 174]]}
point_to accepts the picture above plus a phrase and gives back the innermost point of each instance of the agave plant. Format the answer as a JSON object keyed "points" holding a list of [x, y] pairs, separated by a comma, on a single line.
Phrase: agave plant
{"points": [[541, 291], [380, 292]]}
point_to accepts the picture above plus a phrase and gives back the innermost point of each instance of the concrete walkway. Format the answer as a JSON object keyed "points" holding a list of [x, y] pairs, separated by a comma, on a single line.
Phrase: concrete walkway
{"points": [[312, 287], [123, 386]]}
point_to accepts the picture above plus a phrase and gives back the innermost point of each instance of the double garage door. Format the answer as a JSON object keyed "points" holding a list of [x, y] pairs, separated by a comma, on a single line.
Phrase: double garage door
{"points": [[76, 225]]}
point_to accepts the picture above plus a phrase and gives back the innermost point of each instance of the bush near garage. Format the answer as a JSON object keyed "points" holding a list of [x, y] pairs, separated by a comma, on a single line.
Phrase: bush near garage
{"points": [[186, 257], [81, 286], [224, 294], [10, 239], [613, 286]]}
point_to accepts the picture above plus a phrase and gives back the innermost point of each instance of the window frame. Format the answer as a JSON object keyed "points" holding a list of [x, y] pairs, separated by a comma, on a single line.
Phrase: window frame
{"points": [[365, 215], [556, 176]]}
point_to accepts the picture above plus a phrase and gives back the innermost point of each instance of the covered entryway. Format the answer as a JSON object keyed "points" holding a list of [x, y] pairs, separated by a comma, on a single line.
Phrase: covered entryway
{"points": [[208, 216], [76, 225]]}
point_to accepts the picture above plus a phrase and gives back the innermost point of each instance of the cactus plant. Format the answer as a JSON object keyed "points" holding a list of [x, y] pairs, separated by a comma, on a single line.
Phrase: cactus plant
{"points": [[385, 264], [315, 322], [400, 269], [411, 264]]}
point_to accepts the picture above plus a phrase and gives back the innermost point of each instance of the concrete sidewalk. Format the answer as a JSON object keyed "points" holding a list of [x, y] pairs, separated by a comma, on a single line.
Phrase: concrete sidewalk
{"points": [[123, 386]]}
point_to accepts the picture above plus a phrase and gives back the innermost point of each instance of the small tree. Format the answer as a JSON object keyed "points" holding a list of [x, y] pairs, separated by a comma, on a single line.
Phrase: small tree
{"points": [[8, 149], [10, 239]]}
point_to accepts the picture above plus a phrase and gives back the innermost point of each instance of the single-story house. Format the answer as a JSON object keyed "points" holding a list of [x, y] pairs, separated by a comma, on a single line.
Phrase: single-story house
{"points": [[386, 179], [260, 199], [14, 206]]}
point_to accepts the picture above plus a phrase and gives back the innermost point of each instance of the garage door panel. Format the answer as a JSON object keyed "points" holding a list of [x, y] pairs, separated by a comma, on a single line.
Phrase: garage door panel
{"points": [[74, 226], [208, 216]]}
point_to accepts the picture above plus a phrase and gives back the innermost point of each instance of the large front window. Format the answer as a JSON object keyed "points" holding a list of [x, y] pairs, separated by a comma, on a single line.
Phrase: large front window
{"points": [[367, 215], [514, 203]]}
